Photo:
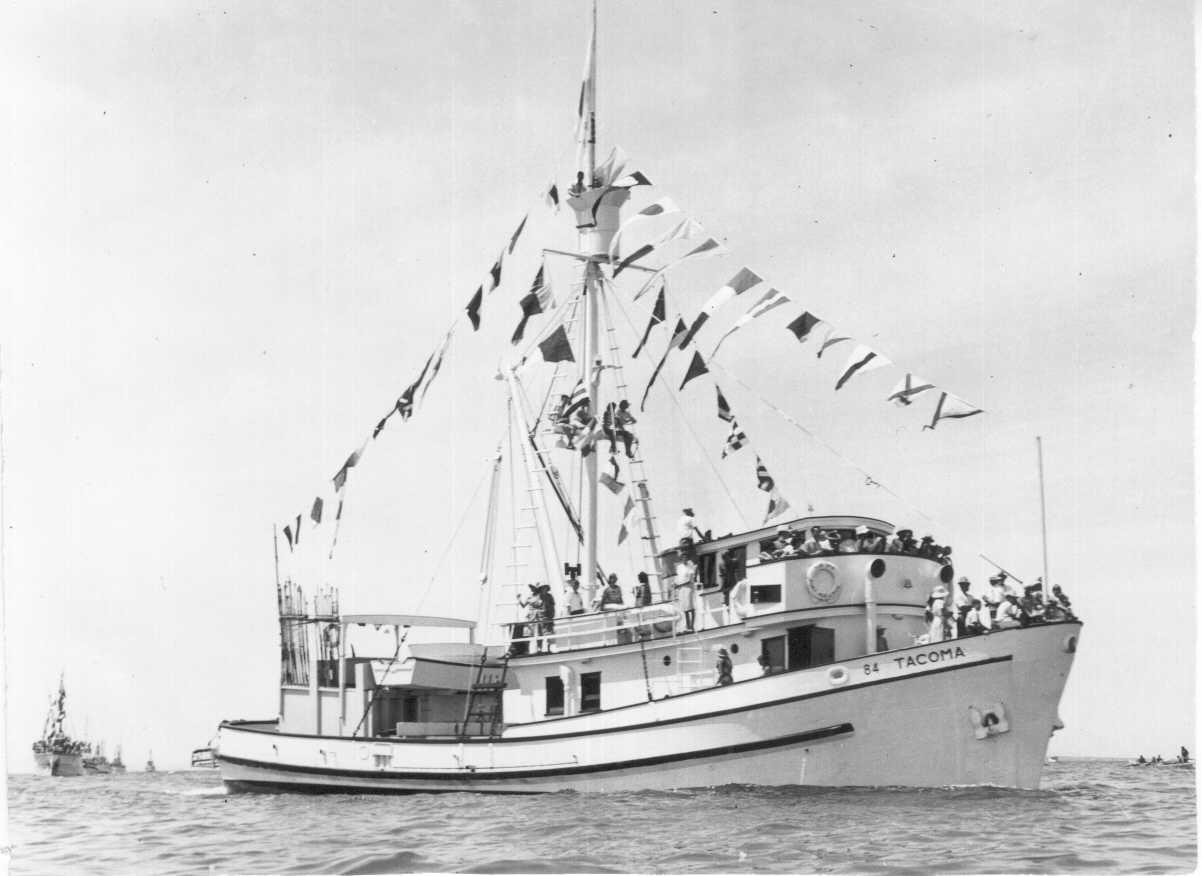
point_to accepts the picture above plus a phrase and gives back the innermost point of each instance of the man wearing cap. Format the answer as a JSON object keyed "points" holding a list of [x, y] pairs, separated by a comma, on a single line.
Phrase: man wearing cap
{"points": [[997, 589], [783, 546], [725, 668], [972, 620], [963, 601], [1008, 613], [686, 527]]}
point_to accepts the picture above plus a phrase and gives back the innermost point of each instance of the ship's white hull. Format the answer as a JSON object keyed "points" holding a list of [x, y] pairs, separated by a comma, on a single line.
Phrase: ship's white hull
{"points": [[910, 717], [58, 764]]}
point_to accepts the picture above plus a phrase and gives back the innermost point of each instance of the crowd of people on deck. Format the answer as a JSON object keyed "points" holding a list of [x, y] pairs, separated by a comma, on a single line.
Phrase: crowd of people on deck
{"points": [[817, 542], [1002, 606], [947, 615]]}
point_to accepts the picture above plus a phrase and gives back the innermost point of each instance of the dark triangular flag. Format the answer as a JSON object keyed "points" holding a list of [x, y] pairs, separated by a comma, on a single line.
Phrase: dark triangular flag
{"points": [[552, 197], [680, 331], [658, 314], [696, 369], [532, 304], [556, 347], [288, 535], [724, 412], [803, 325], [380, 425], [315, 514], [473, 308], [296, 537], [633, 257]]}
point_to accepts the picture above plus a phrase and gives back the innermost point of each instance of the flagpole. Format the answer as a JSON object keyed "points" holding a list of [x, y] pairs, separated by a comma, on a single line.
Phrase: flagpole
{"points": [[592, 119], [1043, 517]]}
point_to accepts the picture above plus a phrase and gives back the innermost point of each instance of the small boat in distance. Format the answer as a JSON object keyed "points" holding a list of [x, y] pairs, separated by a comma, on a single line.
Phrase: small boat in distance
{"points": [[149, 763], [56, 753], [203, 758]]}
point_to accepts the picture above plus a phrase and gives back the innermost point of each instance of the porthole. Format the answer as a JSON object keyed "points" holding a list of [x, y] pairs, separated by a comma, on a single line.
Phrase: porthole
{"points": [[667, 660], [1070, 644], [734, 648], [946, 574], [877, 569]]}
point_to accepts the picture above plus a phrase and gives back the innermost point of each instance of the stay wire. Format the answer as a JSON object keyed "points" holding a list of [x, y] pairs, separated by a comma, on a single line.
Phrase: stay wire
{"points": [[868, 478], [696, 439]]}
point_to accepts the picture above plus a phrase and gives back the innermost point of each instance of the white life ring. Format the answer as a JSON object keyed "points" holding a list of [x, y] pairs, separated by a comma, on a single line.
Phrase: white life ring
{"points": [[822, 580], [989, 720], [740, 599], [837, 676]]}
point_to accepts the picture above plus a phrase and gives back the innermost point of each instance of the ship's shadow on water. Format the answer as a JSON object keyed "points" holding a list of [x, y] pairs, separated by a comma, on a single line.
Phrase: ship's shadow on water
{"points": [[1092, 816]]}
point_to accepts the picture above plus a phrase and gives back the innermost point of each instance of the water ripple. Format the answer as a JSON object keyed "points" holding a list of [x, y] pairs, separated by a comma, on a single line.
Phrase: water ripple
{"points": [[1092, 816]]}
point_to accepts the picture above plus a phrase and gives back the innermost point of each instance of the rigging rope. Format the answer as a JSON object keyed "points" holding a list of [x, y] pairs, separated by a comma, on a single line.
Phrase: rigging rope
{"points": [[696, 439], [869, 479]]}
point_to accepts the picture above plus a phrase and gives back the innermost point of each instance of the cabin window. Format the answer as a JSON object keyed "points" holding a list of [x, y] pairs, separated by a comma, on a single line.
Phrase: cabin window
{"points": [[765, 593], [590, 691], [554, 695], [707, 571], [772, 653], [732, 567], [410, 709], [810, 646]]}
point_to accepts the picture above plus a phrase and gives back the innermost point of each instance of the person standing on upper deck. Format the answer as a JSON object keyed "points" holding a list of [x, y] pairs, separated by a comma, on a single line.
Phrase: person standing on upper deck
{"points": [[686, 576], [686, 528], [575, 600], [642, 590]]}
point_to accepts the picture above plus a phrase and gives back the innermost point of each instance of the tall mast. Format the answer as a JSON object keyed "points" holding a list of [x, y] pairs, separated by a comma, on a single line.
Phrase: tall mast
{"points": [[598, 210]]}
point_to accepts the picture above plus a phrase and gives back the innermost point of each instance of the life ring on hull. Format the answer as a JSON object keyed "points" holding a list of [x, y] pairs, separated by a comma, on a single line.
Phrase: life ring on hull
{"points": [[822, 580], [989, 720], [837, 676]]}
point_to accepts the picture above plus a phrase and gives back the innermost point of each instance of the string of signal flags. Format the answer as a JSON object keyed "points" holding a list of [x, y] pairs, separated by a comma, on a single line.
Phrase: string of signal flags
{"points": [[806, 328]]}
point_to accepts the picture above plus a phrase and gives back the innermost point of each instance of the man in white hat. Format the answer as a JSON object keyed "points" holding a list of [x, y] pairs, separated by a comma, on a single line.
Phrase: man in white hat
{"points": [[935, 605]]}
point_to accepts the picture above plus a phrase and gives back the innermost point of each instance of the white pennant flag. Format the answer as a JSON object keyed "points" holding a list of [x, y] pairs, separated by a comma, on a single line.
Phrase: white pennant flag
{"points": [[862, 360]]}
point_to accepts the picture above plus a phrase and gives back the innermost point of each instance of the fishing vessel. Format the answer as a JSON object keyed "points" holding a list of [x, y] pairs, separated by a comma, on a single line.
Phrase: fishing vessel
{"points": [[150, 767], [809, 650], [56, 753], [97, 763]]}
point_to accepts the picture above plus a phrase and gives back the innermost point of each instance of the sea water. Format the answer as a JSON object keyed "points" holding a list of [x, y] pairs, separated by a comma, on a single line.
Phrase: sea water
{"points": [[1095, 816]]}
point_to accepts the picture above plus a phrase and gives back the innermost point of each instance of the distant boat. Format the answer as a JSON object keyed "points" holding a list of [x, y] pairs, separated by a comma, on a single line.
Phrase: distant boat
{"points": [[96, 764], [56, 753], [149, 763], [203, 758], [117, 765]]}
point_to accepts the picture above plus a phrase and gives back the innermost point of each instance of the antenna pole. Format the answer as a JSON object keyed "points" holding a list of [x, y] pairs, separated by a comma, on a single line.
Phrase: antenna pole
{"points": [[1043, 516]]}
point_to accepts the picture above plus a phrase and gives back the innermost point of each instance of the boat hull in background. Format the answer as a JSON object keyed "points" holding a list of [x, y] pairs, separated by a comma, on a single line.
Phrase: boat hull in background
{"points": [[58, 764], [974, 711]]}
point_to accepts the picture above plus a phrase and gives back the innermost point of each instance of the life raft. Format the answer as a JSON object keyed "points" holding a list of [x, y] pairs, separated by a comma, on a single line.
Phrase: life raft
{"points": [[837, 676]]}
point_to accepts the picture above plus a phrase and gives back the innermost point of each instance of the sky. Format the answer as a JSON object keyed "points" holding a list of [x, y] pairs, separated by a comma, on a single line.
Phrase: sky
{"points": [[235, 233]]}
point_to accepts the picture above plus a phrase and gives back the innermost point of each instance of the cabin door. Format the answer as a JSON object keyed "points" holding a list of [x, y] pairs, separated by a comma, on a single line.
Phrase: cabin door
{"points": [[811, 646]]}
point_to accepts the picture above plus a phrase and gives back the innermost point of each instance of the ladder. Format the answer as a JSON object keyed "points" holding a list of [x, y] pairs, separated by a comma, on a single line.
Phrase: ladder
{"points": [[690, 662], [484, 706], [638, 474]]}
